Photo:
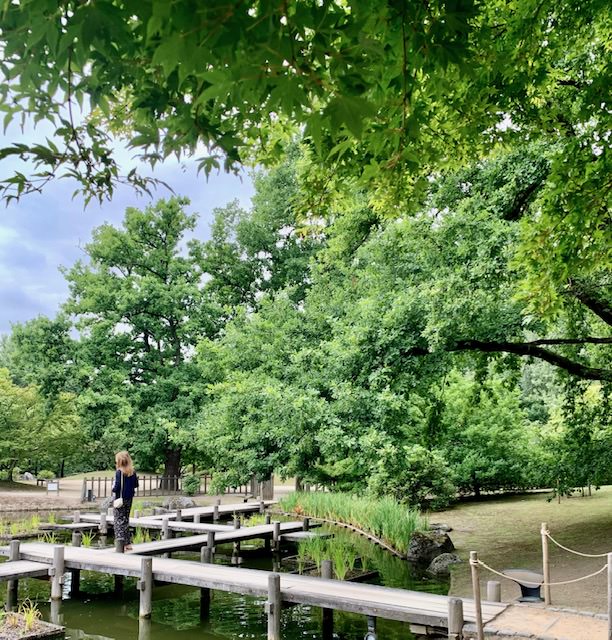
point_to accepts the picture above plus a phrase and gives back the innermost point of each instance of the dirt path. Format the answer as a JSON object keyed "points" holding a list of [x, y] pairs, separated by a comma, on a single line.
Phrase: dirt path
{"points": [[506, 534]]}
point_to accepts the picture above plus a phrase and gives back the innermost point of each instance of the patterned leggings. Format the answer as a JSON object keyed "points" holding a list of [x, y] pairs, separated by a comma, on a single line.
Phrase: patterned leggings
{"points": [[122, 522]]}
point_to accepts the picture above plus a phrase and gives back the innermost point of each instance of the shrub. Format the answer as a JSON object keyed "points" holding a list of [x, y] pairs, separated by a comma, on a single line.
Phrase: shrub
{"points": [[413, 475], [191, 485], [45, 474], [4, 475]]}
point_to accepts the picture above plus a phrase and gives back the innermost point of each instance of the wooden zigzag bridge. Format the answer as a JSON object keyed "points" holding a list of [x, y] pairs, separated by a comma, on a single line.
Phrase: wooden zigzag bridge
{"points": [[425, 613]]}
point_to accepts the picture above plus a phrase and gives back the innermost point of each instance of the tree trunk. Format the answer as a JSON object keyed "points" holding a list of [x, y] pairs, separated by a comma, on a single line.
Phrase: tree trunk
{"points": [[172, 469], [476, 486], [61, 469]]}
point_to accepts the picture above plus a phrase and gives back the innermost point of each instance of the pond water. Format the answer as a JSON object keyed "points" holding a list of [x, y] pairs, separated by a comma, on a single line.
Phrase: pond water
{"points": [[97, 613]]}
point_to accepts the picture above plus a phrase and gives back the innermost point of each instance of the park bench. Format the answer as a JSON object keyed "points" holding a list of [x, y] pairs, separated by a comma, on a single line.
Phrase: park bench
{"points": [[530, 583]]}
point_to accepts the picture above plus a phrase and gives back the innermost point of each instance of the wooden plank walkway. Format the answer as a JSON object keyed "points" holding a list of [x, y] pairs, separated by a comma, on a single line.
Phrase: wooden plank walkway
{"points": [[18, 569], [67, 526], [395, 604], [298, 536], [224, 537], [149, 523], [207, 513]]}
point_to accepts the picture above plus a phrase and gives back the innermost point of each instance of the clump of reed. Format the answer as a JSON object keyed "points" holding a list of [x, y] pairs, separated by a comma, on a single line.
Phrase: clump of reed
{"points": [[339, 549], [141, 535], [390, 521]]}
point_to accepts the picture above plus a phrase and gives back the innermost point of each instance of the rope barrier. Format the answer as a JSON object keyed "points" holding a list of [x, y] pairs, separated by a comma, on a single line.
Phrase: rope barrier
{"points": [[542, 584], [578, 553]]}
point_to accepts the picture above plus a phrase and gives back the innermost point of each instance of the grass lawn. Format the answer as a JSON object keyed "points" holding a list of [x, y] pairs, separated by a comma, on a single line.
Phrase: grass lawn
{"points": [[10, 486], [506, 534]]}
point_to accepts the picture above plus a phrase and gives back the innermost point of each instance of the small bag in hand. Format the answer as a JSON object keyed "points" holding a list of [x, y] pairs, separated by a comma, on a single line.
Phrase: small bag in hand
{"points": [[118, 503]]}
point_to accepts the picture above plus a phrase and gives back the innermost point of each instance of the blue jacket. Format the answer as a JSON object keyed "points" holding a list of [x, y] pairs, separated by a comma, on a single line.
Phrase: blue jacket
{"points": [[127, 485]]}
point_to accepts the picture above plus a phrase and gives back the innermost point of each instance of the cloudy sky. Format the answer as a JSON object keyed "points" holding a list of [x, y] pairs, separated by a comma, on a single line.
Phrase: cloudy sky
{"points": [[43, 232]]}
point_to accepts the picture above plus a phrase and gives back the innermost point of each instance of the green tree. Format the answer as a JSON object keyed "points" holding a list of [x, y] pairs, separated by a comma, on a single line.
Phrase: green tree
{"points": [[141, 308]]}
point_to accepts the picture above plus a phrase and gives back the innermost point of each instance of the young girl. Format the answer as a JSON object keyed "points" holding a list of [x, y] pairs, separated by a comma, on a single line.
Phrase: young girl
{"points": [[124, 486]]}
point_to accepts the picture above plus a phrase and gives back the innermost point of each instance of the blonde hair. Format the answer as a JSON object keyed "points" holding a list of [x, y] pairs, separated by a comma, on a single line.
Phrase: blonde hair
{"points": [[124, 462]]}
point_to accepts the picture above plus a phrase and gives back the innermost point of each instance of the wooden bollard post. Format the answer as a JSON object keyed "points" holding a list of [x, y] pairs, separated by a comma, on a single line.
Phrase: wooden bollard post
{"points": [[273, 607], [276, 536], [215, 513], [476, 591], [145, 586], [103, 527], [76, 517], [455, 619], [75, 579], [545, 563], [12, 589], [306, 524], [165, 529], [205, 558], [197, 518], [210, 544], [262, 506], [494, 591], [327, 572], [57, 572], [179, 515]]}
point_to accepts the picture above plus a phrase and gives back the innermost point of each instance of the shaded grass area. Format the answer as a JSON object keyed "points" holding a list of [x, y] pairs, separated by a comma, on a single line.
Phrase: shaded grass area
{"points": [[506, 534], [9, 485], [384, 518]]}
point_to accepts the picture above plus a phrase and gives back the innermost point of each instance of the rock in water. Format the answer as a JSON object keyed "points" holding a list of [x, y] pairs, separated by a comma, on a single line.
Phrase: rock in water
{"points": [[178, 502], [425, 546], [440, 566]]}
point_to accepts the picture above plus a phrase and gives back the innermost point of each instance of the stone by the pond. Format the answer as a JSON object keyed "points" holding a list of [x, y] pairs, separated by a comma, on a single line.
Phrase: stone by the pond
{"points": [[425, 546], [40, 631], [440, 566], [439, 526], [179, 502], [27, 476]]}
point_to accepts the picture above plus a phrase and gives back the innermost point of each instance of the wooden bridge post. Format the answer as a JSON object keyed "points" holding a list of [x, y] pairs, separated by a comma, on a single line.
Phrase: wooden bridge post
{"points": [[273, 607], [76, 517], [210, 544], [165, 528], [236, 553], [494, 591], [179, 515], [145, 584], [12, 589], [262, 506], [136, 514], [205, 558], [197, 518], [328, 614], [216, 513], [371, 634], [276, 536], [476, 590], [455, 619], [57, 572], [119, 548], [306, 524], [103, 527], [144, 629], [545, 563], [75, 580]]}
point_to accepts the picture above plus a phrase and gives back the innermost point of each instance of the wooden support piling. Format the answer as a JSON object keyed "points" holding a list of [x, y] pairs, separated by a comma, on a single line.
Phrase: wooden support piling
{"points": [[236, 553], [12, 588], [455, 619], [179, 515], [75, 580], [476, 591], [216, 513], [205, 558], [136, 513], [276, 536], [103, 527], [210, 544], [262, 506], [57, 572], [273, 607], [119, 548], [371, 634], [165, 529], [328, 614], [494, 591], [545, 563], [145, 586], [197, 518], [76, 517], [306, 524]]}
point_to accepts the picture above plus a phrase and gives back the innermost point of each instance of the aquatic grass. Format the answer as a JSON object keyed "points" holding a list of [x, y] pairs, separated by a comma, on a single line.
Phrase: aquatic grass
{"points": [[30, 614], [34, 522], [49, 537], [141, 535], [87, 538], [384, 518]]}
